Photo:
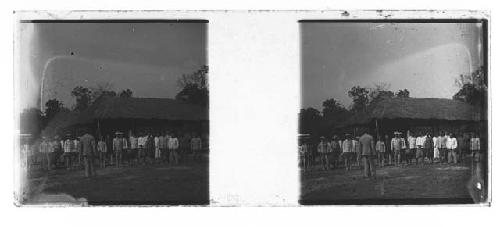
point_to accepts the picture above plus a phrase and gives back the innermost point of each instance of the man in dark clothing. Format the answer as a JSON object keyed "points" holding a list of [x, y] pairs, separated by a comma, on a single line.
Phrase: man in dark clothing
{"points": [[367, 153], [87, 143]]}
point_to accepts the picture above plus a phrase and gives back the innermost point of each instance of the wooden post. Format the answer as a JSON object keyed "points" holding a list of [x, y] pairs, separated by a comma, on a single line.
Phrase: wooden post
{"points": [[376, 127]]}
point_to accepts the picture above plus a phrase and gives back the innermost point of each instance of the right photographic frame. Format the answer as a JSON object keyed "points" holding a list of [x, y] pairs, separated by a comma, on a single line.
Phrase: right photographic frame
{"points": [[394, 112]]}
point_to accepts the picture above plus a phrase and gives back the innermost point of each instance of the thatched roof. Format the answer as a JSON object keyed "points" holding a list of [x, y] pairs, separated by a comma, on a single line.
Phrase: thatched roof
{"points": [[60, 121], [417, 108], [128, 108], [144, 108]]}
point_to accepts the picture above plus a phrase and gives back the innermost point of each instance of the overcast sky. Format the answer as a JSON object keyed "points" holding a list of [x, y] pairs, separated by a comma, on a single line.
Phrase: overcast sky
{"points": [[148, 58], [424, 58]]}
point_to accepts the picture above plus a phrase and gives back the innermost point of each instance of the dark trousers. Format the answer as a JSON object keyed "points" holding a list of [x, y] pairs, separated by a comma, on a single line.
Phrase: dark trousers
{"points": [[443, 154], [88, 161], [369, 166]]}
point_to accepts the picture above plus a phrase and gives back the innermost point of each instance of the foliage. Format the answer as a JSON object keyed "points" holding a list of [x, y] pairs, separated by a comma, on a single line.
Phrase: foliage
{"points": [[127, 93], [473, 88], [359, 97], [83, 98], [379, 92], [310, 120], [403, 93], [194, 87], [52, 107]]}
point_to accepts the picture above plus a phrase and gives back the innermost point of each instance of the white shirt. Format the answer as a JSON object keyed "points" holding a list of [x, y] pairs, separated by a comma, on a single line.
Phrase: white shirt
{"points": [[141, 141], [157, 142], [420, 141], [173, 143], [451, 143]]}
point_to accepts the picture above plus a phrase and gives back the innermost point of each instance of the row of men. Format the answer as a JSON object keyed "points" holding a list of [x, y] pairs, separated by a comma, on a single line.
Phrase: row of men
{"points": [[419, 146], [142, 149]]}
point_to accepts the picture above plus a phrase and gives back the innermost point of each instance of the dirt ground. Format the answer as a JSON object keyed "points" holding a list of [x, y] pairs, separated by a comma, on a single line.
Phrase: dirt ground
{"points": [[430, 184], [145, 185]]}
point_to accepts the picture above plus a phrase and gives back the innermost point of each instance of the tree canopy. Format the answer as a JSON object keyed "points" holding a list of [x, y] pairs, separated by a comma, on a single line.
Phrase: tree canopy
{"points": [[194, 87]]}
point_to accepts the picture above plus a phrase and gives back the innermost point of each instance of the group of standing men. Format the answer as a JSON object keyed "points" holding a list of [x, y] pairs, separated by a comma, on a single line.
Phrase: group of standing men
{"points": [[135, 150], [421, 147]]}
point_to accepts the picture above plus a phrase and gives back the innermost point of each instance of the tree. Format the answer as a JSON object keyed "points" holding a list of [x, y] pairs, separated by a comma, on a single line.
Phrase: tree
{"points": [[403, 93], [359, 97], [127, 93], [473, 88], [83, 98], [102, 90], [309, 121], [332, 107], [52, 107], [379, 92], [194, 87]]}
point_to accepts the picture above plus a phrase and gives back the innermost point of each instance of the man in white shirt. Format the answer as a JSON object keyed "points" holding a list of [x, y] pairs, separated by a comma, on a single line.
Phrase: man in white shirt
{"points": [[412, 145], [157, 148], [68, 152], [444, 144], [141, 146], [397, 145], [347, 151], [435, 141], [419, 155], [173, 146], [451, 145]]}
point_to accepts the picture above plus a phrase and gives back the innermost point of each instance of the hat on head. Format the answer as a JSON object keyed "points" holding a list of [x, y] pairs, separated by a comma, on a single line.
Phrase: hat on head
{"points": [[118, 133]]}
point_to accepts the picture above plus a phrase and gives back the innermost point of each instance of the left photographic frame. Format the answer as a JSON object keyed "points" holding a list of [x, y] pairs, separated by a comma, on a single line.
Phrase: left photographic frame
{"points": [[111, 112]]}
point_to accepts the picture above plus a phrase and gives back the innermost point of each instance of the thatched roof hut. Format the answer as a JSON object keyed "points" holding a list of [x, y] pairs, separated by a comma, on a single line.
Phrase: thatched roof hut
{"points": [[415, 112], [112, 113]]}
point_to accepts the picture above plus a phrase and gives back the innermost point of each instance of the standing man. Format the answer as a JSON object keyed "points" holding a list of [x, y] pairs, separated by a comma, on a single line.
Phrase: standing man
{"points": [[412, 145], [475, 147], [397, 145], [428, 147], [388, 151], [334, 155], [173, 145], [367, 148], [44, 153], [323, 148], [68, 151], [77, 151], [461, 147], [380, 148], [443, 152], [196, 147], [134, 144], [162, 145], [419, 155], [119, 143], [87, 143], [436, 143], [357, 151], [302, 154], [451, 145], [157, 148], [103, 151], [347, 152]]}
